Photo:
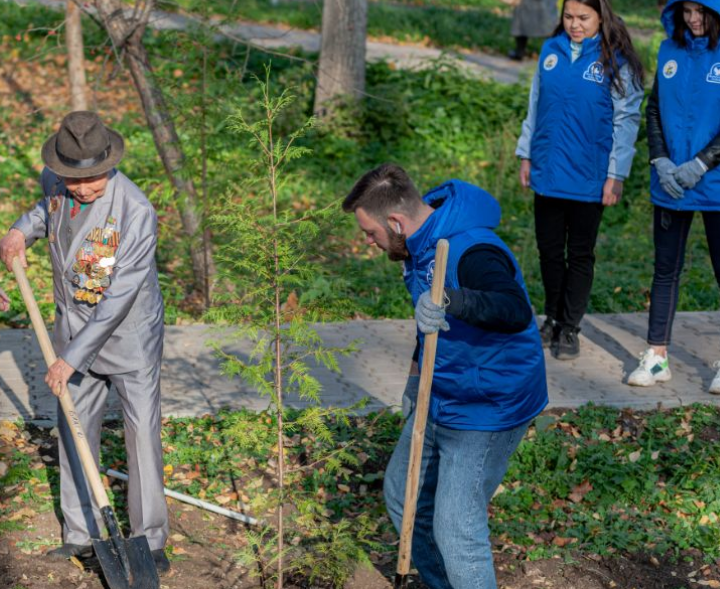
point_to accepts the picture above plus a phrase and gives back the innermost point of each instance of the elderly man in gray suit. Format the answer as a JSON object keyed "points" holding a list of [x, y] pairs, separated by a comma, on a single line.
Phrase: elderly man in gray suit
{"points": [[102, 232]]}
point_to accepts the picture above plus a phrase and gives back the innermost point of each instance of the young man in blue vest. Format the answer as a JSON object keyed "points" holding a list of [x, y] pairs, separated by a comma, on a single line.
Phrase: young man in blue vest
{"points": [[489, 378]]}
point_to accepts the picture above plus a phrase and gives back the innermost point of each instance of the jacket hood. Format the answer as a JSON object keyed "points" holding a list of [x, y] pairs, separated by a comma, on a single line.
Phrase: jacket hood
{"points": [[460, 207], [667, 13]]}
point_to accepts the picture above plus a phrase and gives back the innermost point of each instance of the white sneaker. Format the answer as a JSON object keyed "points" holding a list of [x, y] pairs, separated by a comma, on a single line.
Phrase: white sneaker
{"points": [[715, 384], [653, 368]]}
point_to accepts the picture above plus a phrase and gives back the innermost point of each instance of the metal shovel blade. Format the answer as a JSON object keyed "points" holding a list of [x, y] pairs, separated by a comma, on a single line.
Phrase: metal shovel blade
{"points": [[141, 572]]}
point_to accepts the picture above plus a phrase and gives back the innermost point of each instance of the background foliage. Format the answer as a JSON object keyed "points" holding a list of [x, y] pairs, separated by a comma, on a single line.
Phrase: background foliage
{"points": [[438, 123]]}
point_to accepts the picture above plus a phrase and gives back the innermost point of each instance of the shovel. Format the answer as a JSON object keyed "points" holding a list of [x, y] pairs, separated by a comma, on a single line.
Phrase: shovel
{"points": [[126, 563], [418, 436]]}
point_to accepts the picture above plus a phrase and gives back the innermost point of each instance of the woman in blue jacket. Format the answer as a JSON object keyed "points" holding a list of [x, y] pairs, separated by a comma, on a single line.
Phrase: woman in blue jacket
{"points": [[576, 149], [683, 121]]}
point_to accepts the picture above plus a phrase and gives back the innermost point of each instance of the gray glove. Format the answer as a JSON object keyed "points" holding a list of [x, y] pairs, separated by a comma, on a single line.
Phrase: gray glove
{"points": [[689, 173], [429, 316], [412, 387], [666, 171]]}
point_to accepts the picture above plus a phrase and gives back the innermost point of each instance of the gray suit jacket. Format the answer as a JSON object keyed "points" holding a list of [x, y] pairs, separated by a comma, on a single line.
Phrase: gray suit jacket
{"points": [[124, 331]]}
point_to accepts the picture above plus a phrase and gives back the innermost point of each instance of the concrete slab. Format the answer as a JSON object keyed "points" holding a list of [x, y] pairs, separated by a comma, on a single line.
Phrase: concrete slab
{"points": [[193, 382]]}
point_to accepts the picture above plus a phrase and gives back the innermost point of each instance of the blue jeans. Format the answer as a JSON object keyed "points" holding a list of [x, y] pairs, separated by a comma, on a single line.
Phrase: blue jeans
{"points": [[459, 474], [670, 233]]}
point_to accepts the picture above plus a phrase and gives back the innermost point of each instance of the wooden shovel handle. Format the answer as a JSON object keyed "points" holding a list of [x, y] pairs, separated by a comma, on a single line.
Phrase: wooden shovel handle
{"points": [[437, 293], [66, 402]]}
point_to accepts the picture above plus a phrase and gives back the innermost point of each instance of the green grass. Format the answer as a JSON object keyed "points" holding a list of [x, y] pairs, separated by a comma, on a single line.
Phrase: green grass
{"points": [[596, 480], [641, 482], [606, 480]]}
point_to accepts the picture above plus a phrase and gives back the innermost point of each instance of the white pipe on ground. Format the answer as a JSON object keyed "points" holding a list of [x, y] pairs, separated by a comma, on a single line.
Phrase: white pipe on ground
{"points": [[192, 501]]}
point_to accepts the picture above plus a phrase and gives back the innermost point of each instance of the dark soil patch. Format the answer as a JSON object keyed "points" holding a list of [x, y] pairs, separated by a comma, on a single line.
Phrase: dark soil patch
{"points": [[204, 548]]}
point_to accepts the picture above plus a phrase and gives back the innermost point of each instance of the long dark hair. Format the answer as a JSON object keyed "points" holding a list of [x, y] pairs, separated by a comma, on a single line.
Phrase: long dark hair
{"points": [[615, 39], [712, 25]]}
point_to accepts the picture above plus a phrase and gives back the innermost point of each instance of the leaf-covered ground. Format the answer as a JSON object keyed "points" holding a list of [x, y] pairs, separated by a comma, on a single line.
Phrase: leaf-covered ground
{"points": [[593, 498]]}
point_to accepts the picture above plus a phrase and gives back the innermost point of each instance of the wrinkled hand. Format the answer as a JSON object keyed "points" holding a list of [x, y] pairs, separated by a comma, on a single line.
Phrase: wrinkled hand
{"points": [[4, 301], [410, 394], [429, 316], [525, 173], [666, 171], [11, 246], [612, 192], [689, 173], [58, 376]]}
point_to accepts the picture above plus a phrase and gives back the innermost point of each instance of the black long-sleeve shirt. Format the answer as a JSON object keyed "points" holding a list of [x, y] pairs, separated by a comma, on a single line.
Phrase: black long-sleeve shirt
{"points": [[709, 155], [489, 296]]}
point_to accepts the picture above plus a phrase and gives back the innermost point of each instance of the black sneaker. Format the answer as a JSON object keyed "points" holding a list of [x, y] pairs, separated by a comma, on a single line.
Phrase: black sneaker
{"points": [[162, 564], [67, 551], [568, 344], [549, 332], [516, 55]]}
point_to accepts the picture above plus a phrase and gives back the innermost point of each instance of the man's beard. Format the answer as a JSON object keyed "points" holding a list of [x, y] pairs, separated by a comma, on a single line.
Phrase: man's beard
{"points": [[396, 251]]}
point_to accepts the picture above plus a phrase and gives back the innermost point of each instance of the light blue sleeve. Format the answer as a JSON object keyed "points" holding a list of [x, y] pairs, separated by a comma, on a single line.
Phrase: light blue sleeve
{"points": [[626, 122], [528, 126]]}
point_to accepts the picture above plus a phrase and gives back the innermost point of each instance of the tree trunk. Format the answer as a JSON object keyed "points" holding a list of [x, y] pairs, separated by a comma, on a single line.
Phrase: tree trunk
{"points": [[126, 34], [342, 54], [76, 58]]}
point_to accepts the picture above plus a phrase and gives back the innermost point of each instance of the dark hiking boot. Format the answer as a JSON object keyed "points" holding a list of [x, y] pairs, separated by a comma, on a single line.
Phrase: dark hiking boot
{"points": [[549, 332], [67, 551], [516, 55], [162, 564], [568, 344]]}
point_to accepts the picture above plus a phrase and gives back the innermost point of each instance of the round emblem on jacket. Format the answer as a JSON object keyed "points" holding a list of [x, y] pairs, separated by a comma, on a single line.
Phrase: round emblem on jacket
{"points": [[550, 62], [430, 272], [670, 69], [714, 76], [595, 72]]}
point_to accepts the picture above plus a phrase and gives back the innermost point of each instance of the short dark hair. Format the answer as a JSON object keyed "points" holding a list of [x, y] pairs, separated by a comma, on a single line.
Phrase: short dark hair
{"points": [[384, 190], [712, 26]]}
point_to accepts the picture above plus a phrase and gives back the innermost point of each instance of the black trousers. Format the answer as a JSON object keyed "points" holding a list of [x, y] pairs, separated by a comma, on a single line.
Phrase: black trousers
{"points": [[670, 233], [566, 232]]}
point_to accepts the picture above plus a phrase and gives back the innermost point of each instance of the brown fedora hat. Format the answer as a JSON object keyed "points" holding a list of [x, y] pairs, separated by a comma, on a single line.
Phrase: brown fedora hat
{"points": [[83, 147]]}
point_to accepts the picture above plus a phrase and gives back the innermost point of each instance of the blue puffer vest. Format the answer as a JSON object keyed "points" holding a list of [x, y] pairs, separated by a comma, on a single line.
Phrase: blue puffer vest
{"points": [[689, 92], [483, 380], [574, 127]]}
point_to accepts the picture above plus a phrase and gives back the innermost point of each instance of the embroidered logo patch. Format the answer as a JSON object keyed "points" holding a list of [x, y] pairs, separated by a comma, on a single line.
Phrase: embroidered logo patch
{"points": [[595, 73], [550, 62], [430, 272], [714, 76], [670, 69]]}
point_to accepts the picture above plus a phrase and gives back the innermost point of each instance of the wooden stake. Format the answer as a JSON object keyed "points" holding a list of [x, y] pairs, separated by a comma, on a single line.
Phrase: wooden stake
{"points": [[421, 410]]}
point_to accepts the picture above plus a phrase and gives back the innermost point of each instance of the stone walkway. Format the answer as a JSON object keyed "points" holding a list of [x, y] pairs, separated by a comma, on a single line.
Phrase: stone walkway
{"points": [[194, 385]]}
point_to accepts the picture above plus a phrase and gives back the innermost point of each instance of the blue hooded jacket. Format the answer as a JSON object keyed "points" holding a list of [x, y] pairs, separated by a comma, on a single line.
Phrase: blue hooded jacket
{"points": [[483, 380], [573, 134], [689, 96]]}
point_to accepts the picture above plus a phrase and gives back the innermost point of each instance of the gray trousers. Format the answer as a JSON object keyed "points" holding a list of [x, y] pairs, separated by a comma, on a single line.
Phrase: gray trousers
{"points": [[140, 395]]}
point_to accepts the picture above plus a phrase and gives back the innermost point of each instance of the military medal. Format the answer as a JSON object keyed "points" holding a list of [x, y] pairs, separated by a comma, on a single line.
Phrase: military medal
{"points": [[54, 204], [94, 262]]}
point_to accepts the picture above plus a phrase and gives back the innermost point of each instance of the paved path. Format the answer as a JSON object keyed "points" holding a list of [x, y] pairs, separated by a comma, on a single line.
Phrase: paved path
{"points": [[275, 37], [193, 383]]}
